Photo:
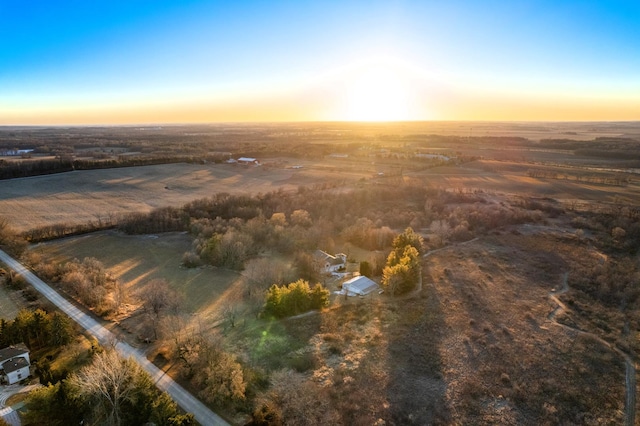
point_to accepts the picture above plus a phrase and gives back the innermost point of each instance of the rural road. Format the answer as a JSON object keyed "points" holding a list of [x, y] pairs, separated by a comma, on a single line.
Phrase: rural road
{"points": [[184, 399], [630, 366]]}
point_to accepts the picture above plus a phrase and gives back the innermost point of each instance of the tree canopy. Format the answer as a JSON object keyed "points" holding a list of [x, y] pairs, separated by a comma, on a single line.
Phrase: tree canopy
{"points": [[295, 298]]}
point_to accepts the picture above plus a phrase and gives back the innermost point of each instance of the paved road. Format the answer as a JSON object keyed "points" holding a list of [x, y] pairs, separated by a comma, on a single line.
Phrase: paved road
{"points": [[164, 382]]}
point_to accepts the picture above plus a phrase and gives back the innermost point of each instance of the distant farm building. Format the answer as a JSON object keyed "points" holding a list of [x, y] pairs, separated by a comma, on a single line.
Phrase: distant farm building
{"points": [[14, 364], [15, 152], [248, 161], [434, 157], [359, 286], [328, 263]]}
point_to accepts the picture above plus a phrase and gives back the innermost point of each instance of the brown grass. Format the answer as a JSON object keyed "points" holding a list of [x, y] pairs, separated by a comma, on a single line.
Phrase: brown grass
{"points": [[79, 197], [135, 260]]}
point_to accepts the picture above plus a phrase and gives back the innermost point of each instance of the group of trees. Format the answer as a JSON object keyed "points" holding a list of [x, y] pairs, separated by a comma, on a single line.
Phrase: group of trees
{"points": [[10, 240], [88, 281], [230, 229], [109, 391], [403, 270], [613, 283], [295, 298], [216, 373], [36, 329]]}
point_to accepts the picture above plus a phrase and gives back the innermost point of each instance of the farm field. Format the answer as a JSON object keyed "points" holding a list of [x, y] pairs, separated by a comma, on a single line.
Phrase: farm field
{"points": [[83, 196], [99, 195]]}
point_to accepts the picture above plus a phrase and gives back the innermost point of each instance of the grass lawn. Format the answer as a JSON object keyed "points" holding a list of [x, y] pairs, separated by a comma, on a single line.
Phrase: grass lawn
{"points": [[8, 309]]}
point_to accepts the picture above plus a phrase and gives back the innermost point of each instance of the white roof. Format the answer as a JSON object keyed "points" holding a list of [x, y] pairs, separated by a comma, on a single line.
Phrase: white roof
{"points": [[360, 285], [247, 159]]}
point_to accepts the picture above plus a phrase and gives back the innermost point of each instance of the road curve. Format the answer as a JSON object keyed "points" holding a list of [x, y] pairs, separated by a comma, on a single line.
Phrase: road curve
{"points": [[184, 399]]}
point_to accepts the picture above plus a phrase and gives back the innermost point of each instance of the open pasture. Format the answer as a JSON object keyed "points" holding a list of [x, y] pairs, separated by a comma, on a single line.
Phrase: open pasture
{"points": [[135, 260]]}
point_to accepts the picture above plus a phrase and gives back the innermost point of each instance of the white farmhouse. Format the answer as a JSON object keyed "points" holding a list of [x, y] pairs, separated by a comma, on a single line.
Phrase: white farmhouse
{"points": [[328, 263], [14, 364]]}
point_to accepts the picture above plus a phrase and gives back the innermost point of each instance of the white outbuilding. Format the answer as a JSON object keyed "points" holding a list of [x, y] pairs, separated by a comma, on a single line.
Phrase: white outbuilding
{"points": [[359, 286]]}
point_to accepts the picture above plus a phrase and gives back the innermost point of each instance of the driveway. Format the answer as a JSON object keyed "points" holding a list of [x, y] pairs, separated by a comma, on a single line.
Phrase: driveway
{"points": [[184, 399], [9, 414]]}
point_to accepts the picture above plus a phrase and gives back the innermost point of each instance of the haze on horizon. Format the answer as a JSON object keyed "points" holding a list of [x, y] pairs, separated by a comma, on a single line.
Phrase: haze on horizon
{"points": [[116, 62]]}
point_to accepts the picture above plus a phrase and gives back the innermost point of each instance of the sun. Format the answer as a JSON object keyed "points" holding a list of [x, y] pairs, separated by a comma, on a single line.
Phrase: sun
{"points": [[378, 92]]}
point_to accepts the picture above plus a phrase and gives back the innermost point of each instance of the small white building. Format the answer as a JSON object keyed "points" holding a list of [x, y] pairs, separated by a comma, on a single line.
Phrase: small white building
{"points": [[328, 263], [247, 161], [14, 364], [359, 286]]}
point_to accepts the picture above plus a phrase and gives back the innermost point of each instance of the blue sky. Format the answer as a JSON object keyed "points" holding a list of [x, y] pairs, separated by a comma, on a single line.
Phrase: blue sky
{"points": [[89, 62]]}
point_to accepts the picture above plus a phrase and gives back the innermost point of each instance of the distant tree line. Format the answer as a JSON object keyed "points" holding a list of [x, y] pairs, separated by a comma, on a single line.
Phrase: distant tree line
{"points": [[18, 169], [617, 180], [65, 163]]}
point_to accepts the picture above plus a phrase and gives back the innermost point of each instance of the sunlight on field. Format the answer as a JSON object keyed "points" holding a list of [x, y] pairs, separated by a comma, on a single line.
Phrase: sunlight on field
{"points": [[135, 260], [80, 197]]}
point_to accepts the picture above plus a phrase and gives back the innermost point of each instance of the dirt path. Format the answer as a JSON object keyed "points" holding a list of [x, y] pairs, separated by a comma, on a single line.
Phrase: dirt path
{"points": [[630, 366], [430, 252], [418, 289]]}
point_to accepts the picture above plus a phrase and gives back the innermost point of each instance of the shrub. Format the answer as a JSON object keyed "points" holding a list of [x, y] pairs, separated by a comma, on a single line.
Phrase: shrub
{"points": [[190, 260]]}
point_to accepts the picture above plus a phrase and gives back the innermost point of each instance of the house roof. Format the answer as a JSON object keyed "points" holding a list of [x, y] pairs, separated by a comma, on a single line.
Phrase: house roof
{"points": [[12, 351], [323, 256], [247, 159], [360, 285], [14, 364]]}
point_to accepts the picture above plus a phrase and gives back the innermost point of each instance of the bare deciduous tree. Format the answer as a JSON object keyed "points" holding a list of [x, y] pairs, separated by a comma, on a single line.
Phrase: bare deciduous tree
{"points": [[158, 297], [109, 380]]}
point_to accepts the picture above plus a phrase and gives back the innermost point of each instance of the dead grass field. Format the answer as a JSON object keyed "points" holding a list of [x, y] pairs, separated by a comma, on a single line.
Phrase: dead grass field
{"points": [[511, 178], [476, 347], [82, 196], [135, 260], [506, 362]]}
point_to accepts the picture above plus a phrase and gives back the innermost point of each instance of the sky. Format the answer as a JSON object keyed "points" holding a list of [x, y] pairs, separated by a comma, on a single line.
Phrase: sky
{"points": [[130, 62]]}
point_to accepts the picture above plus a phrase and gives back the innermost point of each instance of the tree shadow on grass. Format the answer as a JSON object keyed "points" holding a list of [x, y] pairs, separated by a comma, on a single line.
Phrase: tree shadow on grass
{"points": [[416, 388]]}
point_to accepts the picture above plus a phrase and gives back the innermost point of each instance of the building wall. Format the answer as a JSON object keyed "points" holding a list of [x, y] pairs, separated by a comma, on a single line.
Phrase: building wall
{"points": [[16, 376]]}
